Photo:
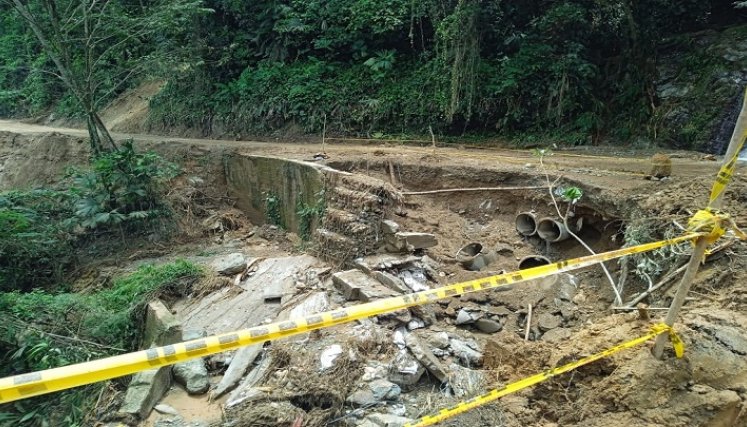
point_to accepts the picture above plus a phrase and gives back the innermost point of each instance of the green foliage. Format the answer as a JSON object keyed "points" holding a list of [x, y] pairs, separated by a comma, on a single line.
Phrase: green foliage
{"points": [[570, 194], [309, 215], [35, 248], [32, 335], [572, 71], [120, 186], [273, 212]]}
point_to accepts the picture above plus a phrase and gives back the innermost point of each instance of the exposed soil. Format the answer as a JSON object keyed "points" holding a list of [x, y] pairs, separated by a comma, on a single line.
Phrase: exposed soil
{"points": [[706, 388]]}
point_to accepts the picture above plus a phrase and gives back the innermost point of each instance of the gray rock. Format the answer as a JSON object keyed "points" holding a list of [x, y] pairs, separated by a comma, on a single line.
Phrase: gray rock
{"points": [[161, 327], [165, 409], [405, 370], [389, 227], [415, 241], [145, 390], [489, 326], [374, 392], [566, 287], [425, 313], [356, 285], [556, 335], [547, 321], [465, 352], [415, 279], [415, 323], [391, 281], [465, 317], [384, 262], [193, 334], [426, 357], [246, 390], [464, 381], [230, 264], [733, 339], [387, 420], [240, 363], [438, 340], [193, 375]]}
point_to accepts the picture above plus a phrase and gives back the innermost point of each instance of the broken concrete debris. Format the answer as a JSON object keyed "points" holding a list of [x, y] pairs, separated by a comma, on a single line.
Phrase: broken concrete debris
{"points": [[356, 285], [230, 264], [391, 281], [466, 351], [426, 357], [405, 370], [374, 392], [161, 326], [145, 390], [242, 359]]}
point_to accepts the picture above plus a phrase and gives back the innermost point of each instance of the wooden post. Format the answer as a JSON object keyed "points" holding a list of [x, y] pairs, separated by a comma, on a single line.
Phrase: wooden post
{"points": [[701, 244]]}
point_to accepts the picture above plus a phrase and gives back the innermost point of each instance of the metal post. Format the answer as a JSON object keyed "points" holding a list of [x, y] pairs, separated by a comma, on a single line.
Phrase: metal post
{"points": [[701, 244]]}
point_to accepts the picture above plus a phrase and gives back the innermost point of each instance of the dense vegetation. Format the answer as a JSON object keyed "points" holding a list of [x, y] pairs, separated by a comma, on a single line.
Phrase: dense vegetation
{"points": [[585, 69], [42, 330], [44, 233]]}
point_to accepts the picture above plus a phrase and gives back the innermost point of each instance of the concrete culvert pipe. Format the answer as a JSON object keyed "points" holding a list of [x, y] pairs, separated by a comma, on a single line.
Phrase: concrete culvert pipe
{"points": [[532, 261], [472, 257], [526, 224], [552, 230]]}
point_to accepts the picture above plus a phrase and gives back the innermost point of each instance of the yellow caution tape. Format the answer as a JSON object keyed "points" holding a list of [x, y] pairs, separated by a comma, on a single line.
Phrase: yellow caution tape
{"points": [[679, 349], [714, 224], [727, 170], [51, 380]]}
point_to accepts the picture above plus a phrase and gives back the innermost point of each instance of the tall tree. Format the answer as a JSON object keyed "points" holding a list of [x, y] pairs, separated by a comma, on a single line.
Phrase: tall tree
{"points": [[98, 46]]}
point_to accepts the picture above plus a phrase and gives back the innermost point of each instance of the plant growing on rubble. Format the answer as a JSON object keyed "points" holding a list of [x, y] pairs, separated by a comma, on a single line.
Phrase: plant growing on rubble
{"points": [[307, 214]]}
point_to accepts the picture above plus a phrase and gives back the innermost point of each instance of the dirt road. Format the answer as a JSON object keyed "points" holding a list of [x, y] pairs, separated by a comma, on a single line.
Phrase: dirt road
{"points": [[606, 167]]}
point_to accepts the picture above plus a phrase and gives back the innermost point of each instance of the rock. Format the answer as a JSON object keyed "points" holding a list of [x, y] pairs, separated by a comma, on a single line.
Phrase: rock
{"points": [[356, 285], [145, 390], [465, 317], [371, 263], [240, 362], [415, 323], [424, 312], [415, 241], [165, 409], [426, 358], [389, 227], [161, 327], [566, 287], [465, 352], [374, 392], [733, 339], [387, 420], [375, 371], [499, 311], [329, 355], [275, 290], [230, 264], [438, 340], [245, 390], [193, 375], [391, 281], [405, 370], [547, 321], [402, 315], [556, 335], [489, 326], [415, 279], [464, 381]]}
